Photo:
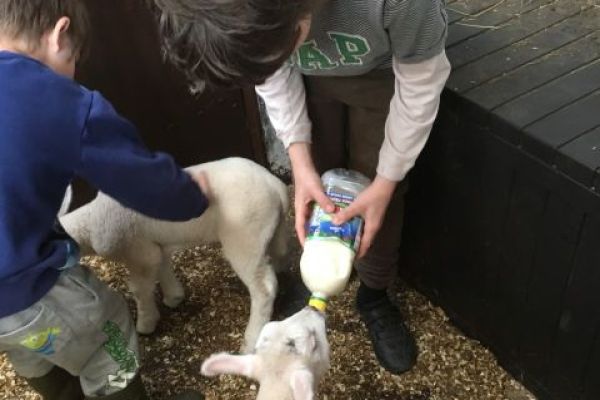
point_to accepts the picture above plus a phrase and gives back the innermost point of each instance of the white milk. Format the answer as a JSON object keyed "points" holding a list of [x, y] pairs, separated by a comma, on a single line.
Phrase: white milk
{"points": [[329, 250]]}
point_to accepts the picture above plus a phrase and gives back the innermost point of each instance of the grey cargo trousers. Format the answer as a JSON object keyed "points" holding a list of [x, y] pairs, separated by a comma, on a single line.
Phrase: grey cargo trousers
{"points": [[82, 326]]}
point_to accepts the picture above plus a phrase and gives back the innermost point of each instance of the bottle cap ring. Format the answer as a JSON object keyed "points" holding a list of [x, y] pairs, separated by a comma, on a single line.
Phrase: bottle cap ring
{"points": [[318, 303]]}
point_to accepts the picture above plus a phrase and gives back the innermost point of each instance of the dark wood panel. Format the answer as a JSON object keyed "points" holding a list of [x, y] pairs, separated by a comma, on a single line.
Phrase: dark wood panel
{"points": [[453, 16], [528, 73], [480, 180], [596, 187], [543, 137], [458, 150], [470, 8], [462, 268], [592, 379], [580, 158], [508, 253], [125, 64], [521, 234], [531, 23], [543, 101], [538, 320], [579, 317], [429, 197], [498, 183], [506, 12], [530, 77], [512, 223], [530, 54]]}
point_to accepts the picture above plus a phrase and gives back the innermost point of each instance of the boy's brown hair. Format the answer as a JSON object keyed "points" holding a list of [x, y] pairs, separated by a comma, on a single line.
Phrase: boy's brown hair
{"points": [[231, 42], [30, 19]]}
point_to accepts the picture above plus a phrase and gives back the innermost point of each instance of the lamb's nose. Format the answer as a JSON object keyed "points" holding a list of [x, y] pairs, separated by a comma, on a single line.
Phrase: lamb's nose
{"points": [[314, 310]]}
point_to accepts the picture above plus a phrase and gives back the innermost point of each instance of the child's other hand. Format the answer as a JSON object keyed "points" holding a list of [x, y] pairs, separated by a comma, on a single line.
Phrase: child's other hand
{"points": [[371, 205]]}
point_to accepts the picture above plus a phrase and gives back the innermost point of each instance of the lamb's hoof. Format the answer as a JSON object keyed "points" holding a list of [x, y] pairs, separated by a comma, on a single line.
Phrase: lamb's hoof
{"points": [[173, 301], [146, 327]]}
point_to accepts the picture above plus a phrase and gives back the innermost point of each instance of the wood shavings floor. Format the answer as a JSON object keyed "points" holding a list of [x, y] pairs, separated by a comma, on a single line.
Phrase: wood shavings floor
{"points": [[212, 319]]}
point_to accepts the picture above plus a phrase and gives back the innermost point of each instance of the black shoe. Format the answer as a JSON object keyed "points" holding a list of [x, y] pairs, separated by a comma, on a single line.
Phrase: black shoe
{"points": [[136, 391], [293, 296], [58, 384], [393, 344]]}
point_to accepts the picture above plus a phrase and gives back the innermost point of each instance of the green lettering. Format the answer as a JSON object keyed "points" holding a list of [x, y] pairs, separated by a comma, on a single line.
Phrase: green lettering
{"points": [[310, 57], [351, 47]]}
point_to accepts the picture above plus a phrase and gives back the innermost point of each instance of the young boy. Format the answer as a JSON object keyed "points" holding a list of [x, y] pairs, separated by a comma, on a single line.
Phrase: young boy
{"points": [[57, 320], [362, 92]]}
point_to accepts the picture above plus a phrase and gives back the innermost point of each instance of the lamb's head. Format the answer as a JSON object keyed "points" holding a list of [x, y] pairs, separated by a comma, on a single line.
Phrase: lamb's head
{"points": [[290, 358]]}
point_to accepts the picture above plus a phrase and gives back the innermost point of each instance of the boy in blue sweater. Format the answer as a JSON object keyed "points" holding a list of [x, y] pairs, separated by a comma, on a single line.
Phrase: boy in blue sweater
{"points": [[57, 320]]}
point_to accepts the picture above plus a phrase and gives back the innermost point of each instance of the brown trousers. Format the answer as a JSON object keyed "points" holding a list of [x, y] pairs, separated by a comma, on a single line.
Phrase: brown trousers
{"points": [[349, 115]]}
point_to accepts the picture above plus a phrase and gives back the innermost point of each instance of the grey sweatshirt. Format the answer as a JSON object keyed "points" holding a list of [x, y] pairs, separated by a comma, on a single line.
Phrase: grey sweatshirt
{"points": [[353, 37]]}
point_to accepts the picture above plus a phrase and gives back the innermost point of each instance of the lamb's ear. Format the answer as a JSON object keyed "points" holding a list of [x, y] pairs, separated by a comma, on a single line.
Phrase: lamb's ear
{"points": [[302, 383], [225, 363]]}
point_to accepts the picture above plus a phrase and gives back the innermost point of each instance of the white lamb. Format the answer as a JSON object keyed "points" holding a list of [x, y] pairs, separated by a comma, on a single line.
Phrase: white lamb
{"points": [[246, 215], [290, 358]]}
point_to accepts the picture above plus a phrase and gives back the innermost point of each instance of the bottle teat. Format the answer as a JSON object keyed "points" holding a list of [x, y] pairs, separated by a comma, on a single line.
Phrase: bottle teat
{"points": [[318, 302]]}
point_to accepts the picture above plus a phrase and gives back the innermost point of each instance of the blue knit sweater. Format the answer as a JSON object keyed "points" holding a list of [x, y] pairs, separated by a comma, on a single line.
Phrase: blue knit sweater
{"points": [[51, 130]]}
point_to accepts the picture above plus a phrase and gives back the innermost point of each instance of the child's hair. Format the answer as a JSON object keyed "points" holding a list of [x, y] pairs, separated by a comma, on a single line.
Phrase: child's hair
{"points": [[30, 19], [230, 42]]}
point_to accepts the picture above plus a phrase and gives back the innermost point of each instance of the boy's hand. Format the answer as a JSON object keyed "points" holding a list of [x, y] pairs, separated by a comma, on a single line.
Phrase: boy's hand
{"points": [[308, 188], [202, 181], [371, 205]]}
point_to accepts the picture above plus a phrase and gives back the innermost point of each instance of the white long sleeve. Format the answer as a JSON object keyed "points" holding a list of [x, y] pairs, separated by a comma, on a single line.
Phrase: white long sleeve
{"points": [[285, 98], [413, 110]]}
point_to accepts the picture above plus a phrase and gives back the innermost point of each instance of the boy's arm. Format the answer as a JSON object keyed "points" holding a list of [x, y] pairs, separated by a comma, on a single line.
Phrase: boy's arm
{"points": [[417, 32], [285, 99], [413, 110], [115, 161]]}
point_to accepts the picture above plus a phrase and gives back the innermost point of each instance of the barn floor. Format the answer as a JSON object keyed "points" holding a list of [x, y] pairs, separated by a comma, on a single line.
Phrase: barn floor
{"points": [[212, 319]]}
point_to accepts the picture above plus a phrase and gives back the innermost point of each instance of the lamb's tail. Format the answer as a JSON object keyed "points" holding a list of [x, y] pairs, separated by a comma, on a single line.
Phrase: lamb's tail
{"points": [[64, 207], [76, 225], [280, 242]]}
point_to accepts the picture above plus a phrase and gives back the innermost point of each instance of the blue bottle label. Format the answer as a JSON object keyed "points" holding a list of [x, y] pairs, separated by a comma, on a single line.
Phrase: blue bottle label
{"points": [[321, 226]]}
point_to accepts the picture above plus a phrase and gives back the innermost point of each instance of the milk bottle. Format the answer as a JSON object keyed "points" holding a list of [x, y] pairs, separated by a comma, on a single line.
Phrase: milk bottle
{"points": [[329, 250]]}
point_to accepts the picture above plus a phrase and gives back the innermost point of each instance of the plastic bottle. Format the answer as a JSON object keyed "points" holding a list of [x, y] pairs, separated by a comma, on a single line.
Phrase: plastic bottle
{"points": [[329, 250]]}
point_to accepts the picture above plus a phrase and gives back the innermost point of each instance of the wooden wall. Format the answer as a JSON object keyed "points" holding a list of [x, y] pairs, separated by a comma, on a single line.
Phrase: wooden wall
{"points": [[510, 247], [125, 64]]}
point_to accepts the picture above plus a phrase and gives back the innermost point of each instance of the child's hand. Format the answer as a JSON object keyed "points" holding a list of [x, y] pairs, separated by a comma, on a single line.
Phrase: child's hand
{"points": [[308, 188], [371, 205], [202, 181]]}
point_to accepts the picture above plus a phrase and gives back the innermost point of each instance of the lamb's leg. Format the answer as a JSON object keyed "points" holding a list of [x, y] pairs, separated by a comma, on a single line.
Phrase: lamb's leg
{"points": [[262, 286], [172, 289], [143, 273], [259, 277]]}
